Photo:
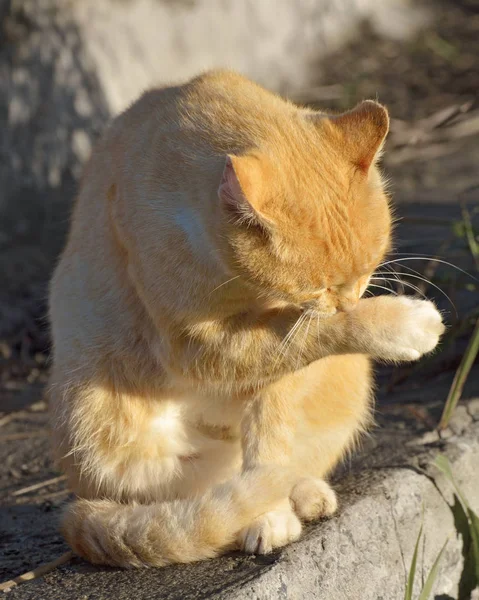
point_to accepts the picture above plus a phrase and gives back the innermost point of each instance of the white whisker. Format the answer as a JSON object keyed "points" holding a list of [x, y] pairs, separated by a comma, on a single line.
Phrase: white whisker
{"points": [[428, 282], [391, 270], [428, 258], [283, 347], [404, 283], [383, 288], [304, 340], [222, 284]]}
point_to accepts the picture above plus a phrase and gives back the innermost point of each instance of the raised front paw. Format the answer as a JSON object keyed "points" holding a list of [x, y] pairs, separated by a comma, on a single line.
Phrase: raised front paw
{"points": [[401, 328], [272, 530]]}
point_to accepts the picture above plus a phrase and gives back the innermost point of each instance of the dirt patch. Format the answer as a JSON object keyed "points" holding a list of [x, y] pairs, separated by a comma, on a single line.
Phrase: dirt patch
{"points": [[416, 77]]}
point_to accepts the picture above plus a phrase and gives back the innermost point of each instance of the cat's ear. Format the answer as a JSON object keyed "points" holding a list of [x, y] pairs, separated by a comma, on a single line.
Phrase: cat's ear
{"points": [[241, 186], [363, 131]]}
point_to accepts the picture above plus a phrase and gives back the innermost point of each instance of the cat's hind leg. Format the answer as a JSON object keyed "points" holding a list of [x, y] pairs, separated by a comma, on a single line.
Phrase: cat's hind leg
{"points": [[332, 415]]}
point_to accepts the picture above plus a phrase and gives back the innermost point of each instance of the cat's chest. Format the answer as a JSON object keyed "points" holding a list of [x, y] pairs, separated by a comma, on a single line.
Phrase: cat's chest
{"points": [[188, 422]]}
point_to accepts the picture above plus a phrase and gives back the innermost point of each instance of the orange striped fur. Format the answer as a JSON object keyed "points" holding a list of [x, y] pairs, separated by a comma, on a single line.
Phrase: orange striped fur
{"points": [[211, 343]]}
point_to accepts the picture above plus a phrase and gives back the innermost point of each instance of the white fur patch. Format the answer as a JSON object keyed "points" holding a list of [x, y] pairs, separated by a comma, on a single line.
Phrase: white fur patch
{"points": [[192, 227]]}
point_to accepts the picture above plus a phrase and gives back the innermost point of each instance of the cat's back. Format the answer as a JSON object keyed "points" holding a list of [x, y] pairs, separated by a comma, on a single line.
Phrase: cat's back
{"points": [[219, 111], [168, 147]]}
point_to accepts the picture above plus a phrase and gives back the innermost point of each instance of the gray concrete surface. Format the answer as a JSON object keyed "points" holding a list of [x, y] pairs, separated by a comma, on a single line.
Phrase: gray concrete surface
{"points": [[362, 553]]}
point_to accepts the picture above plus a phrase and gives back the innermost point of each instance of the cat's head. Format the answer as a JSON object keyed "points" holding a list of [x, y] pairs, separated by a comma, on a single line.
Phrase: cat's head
{"points": [[306, 216]]}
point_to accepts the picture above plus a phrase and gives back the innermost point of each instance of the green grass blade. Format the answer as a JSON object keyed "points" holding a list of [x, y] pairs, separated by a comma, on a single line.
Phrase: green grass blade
{"points": [[467, 525], [444, 465], [460, 377], [433, 573], [474, 530], [470, 235], [468, 580], [412, 570]]}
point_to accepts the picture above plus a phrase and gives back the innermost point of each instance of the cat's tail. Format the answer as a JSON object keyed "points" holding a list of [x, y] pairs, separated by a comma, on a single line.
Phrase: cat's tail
{"points": [[138, 535]]}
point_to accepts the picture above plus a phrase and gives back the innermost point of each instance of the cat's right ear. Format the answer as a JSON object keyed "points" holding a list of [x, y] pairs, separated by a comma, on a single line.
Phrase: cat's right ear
{"points": [[362, 132], [241, 188]]}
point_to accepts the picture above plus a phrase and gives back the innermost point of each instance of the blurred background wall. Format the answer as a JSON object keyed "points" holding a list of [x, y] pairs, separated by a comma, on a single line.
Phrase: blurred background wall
{"points": [[137, 43], [68, 66]]}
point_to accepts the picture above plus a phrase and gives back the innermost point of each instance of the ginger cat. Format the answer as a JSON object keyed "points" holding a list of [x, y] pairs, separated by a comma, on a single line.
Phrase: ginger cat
{"points": [[211, 346]]}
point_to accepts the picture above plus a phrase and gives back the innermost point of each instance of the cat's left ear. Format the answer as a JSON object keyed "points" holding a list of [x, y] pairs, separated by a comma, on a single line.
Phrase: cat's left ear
{"points": [[362, 132], [241, 188]]}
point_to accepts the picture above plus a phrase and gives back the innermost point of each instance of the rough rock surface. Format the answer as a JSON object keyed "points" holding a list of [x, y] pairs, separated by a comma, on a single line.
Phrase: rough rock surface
{"points": [[363, 552], [51, 110]]}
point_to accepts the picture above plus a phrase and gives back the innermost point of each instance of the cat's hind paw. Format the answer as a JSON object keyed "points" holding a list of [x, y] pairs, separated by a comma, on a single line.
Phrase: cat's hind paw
{"points": [[312, 499]]}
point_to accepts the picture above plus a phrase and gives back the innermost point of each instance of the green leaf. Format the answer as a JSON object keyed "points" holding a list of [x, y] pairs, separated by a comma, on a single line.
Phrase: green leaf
{"points": [[466, 523], [412, 570], [444, 465], [441, 47], [468, 579], [461, 521], [474, 530], [460, 377], [459, 229], [433, 573], [471, 237]]}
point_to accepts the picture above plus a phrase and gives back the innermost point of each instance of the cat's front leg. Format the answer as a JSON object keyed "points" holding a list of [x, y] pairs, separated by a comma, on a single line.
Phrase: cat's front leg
{"points": [[268, 434], [396, 328]]}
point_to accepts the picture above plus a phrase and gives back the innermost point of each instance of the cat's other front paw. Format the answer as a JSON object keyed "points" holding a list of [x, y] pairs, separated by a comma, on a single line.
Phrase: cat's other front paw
{"points": [[313, 498], [272, 530]]}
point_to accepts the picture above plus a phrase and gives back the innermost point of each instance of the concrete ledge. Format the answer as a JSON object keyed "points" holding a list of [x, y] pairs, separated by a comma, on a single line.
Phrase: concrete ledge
{"points": [[363, 553]]}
